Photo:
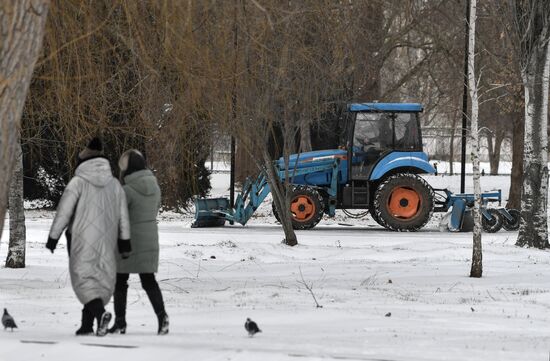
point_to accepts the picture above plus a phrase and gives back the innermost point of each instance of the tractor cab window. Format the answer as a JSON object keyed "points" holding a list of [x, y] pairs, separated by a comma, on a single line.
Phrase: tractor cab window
{"points": [[372, 136], [373, 130], [407, 136]]}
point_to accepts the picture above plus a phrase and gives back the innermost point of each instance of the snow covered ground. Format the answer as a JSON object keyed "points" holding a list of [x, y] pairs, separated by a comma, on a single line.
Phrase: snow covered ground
{"points": [[505, 168], [384, 295]]}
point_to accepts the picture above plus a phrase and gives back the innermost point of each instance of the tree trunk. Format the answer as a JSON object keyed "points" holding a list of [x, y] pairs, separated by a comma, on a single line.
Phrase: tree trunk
{"points": [[16, 250], [21, 32], [490, 144], [244, 164], [516, 182], [495, 158], [305, 136], [282, 203], [533, 231], [477, 255], [494, 145], [452, 146]]}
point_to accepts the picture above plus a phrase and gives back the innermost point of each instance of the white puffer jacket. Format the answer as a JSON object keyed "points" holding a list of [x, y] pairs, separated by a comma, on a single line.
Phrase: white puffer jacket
{"points": [[100, 218]]}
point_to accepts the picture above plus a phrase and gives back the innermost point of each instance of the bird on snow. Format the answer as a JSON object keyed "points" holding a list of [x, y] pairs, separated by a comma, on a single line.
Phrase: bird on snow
{"points": [[8, 321], [251, 327]]}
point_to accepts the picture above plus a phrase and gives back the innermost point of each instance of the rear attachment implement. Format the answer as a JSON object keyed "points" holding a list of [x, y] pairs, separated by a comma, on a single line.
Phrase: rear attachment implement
{"points": [[459, 218]]}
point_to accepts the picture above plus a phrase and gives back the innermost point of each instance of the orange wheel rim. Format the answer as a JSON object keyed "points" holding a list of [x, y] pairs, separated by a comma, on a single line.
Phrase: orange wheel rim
{"points": [[404, 203], [302, 208]]}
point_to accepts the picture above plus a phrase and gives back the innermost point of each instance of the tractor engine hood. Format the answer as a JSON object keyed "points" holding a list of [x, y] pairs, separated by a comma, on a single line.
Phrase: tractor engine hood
{"points": [[312, 159]]}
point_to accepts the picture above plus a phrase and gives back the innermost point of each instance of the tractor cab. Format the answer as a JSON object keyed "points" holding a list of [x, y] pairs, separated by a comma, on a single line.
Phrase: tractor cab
{"points": [[378, 129]]}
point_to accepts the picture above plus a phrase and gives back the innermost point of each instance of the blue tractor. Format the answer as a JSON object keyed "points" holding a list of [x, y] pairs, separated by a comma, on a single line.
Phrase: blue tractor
{"points": [[376, 168]]}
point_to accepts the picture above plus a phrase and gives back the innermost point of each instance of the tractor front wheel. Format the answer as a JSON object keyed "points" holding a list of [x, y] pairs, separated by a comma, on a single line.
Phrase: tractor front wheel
{"points": [[306, 208], [403, 202]]}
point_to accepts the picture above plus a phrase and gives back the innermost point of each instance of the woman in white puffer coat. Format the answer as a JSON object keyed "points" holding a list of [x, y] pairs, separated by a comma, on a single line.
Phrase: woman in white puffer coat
{"points": [[93, 208]]}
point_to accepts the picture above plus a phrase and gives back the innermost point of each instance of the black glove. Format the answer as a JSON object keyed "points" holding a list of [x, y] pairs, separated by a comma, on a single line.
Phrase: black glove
{"points": [[124, 248], [51, 244]]}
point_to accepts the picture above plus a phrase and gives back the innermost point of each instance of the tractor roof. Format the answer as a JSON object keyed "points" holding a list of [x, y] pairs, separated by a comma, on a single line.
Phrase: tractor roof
{"points": [[385, 107]]}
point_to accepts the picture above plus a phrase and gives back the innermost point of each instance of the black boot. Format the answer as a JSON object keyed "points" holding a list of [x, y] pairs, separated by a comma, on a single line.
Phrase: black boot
{"points": [[152, 289], [97, 310], [103, 324], [119, 326], [120, 296], [163, 323], [87, 326]]}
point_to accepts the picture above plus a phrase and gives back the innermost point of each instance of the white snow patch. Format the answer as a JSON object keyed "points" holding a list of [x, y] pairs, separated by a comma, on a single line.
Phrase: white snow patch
{"points": [[214, 278]]}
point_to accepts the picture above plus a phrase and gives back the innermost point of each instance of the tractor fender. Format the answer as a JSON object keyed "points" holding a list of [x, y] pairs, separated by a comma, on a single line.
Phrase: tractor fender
{"points": [[418, 161]]}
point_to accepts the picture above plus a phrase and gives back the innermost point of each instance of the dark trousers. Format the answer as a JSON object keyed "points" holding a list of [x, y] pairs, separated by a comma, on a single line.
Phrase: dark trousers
{"points": [[149, 284], [94, 309]]}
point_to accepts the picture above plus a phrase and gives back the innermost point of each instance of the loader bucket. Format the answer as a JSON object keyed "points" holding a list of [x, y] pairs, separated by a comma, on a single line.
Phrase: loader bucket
{"points": [[210, 212]]}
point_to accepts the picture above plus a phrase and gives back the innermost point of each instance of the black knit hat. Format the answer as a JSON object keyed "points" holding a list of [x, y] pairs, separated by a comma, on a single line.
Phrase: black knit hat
{"points": [[131, 161], [94, 149], [135, 162]]}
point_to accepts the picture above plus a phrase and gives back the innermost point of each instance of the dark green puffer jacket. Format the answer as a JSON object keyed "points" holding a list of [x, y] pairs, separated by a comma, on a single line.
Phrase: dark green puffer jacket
{"points": [[143, 196]]}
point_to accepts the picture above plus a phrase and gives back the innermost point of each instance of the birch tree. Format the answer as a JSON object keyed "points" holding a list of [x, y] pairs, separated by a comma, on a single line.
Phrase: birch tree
{"points": [[532, 30], [21, 32], [477, 264]]}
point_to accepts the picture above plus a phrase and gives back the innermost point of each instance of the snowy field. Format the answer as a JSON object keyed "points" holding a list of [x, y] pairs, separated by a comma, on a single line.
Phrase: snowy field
{"points": [[385, 296]]}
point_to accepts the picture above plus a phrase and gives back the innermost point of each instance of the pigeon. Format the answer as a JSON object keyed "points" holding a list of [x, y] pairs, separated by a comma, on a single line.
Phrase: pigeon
{"points": [[8, 321], [251, 327]]}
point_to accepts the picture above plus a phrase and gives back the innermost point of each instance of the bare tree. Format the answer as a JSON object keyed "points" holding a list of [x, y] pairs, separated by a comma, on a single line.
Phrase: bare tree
{"points": [[477, 256], [503, 113], [501, 80], [21, 32], [532, 36]]}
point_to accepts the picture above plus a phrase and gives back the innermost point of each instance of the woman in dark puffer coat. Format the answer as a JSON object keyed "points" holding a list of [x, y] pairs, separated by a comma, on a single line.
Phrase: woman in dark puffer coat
{"points": [[143, 196]]}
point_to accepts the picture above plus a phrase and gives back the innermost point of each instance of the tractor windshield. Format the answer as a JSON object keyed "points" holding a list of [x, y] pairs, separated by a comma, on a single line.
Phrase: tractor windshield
{"points": [[387, 131], [373, 130]]}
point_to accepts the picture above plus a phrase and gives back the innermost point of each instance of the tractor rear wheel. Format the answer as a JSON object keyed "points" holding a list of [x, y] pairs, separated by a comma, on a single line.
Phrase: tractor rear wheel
{"points": [[374, 216], [403, 202], [493, 225], [372, 211], [306, 208]]}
